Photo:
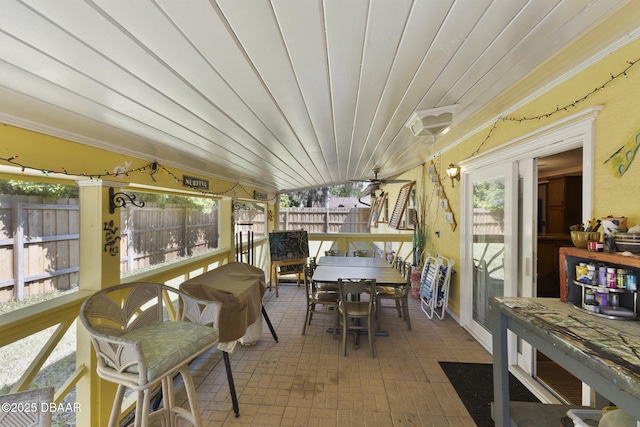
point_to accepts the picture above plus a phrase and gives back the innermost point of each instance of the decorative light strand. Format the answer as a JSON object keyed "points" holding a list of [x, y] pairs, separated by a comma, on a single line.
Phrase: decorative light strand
{"points": [[558, 109], [153, 168]]}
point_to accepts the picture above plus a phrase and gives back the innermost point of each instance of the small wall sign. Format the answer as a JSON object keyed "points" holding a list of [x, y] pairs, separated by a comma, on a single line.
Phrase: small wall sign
{"points": [[260, 196], [195, 183]]}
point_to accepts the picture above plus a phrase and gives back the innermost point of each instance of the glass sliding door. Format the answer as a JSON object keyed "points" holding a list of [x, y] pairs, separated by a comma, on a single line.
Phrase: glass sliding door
{"points": [[488, 245], [492, 243]]}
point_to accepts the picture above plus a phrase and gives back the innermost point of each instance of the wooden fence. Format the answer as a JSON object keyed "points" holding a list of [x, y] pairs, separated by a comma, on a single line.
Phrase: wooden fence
{"points": [[154, 235], [325, 220], [40, 242], [486, 223], [39, 246]]}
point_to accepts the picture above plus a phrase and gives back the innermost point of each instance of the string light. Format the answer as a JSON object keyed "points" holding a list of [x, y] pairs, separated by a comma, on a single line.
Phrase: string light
{"points": [[154, 167], [558, 109]]}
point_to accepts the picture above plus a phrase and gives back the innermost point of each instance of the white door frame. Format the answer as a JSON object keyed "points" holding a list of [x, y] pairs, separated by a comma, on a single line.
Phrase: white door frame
{"points": [[574, 131]]}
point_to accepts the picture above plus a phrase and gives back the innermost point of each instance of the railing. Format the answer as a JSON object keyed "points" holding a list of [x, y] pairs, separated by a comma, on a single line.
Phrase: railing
{"points": [[382, 245], [62, 312]]}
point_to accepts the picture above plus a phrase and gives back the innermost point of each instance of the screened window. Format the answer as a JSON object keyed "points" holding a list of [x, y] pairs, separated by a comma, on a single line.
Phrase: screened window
{"points": [[250, 217], [167, 229], [338, 209], [39, 242]]}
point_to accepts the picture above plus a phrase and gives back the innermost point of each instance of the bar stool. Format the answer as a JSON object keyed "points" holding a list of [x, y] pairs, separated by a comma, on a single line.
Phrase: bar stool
{"points": [[138, 348]]}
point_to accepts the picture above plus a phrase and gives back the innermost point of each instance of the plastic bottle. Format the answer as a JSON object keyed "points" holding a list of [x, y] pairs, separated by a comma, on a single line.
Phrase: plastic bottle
{"points": [[591, 274], [589, 297], [611, 278], [602, 275], [632, 281], [621, 278]]}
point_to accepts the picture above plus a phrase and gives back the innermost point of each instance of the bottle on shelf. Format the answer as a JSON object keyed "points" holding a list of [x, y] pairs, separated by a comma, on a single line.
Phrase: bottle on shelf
{"points": [[612, 281]]}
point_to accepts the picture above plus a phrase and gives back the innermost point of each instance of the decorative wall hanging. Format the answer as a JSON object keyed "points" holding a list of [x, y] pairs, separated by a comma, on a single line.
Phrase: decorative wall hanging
{"points": [[401, 205], [120, 200], [111, 238], [119, 171], [377, 204], [621, 159], [443, 201], [379, 208]]}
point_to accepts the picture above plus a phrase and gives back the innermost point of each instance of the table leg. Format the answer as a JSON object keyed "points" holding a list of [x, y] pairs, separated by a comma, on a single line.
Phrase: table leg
{"points": [[500, 368], [266, 318], [232, 386]]}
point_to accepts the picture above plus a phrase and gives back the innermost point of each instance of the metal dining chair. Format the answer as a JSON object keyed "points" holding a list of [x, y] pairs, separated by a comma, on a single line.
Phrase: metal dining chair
{"points": [[328, 299], [357, 302], [333, 252], [398, 294], [398, 263], [363, 253]]}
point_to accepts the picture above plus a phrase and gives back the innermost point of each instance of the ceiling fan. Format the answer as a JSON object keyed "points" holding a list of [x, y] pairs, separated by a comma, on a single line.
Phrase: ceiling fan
{"points": [[375, 183]]}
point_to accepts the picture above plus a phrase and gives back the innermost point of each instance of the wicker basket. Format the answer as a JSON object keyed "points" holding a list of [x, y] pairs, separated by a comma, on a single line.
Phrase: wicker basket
{"points": [[581, 239]]}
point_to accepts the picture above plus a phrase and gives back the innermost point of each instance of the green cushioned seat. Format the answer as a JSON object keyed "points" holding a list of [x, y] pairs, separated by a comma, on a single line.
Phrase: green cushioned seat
{"points": [[167, 344], [139, 348]]}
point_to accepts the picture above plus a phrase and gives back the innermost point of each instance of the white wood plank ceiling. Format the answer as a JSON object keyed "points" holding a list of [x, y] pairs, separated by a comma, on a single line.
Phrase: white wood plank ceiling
{"points": [[282, 94]]}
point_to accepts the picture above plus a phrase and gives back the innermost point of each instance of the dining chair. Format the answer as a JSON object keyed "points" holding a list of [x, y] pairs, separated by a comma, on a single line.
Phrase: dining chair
{"points": [[139, 347], [29, 408], [357, 302], [398, 294], [328, 299], [363, 253], [401, 267], [334, 252], [397, 263]]}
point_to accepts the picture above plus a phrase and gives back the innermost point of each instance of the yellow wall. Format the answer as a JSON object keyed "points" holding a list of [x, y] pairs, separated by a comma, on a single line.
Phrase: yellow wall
{"points": [[42, 152], [617, 122]]}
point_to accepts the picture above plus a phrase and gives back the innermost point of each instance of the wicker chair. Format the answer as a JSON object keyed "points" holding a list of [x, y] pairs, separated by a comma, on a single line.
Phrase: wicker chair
{"points": [[139, 347]]}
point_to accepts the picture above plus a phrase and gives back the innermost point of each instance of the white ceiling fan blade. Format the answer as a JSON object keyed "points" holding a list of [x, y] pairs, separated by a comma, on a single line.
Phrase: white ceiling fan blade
{"points": [[367, 191], [394, 181]]}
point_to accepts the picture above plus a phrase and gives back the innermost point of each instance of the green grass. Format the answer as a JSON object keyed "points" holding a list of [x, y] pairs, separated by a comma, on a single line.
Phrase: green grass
{"points": [[7, 307], [16, 357]]}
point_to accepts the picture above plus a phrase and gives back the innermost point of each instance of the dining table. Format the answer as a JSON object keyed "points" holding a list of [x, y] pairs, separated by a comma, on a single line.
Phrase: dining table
{"points": [[383, 275], [355, 270], [351, 261]]}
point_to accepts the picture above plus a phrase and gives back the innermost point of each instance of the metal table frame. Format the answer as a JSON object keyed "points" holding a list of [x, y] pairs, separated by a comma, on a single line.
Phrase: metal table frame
{"points": [[594, 368]]}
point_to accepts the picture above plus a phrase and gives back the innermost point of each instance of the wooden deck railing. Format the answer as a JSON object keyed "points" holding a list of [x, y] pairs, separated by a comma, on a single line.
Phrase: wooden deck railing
{"points": [[62, 312]]}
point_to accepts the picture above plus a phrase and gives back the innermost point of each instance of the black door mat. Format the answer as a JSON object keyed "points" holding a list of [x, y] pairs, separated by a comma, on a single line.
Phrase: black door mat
{"points": [[474, 384]]}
